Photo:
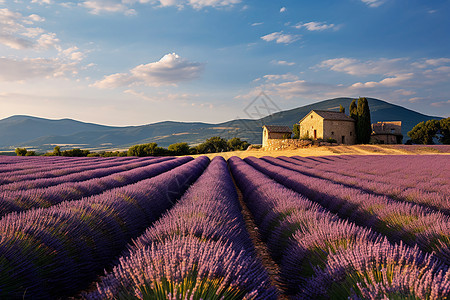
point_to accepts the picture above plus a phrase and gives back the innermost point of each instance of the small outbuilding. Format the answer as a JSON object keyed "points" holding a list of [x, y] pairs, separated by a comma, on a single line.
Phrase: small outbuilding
{"points": [[273, 132], [387, 132], [324, 124]]}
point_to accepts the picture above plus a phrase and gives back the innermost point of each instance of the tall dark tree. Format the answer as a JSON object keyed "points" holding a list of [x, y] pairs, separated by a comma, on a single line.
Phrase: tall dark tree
{"points": [[353, 110], [296, 131], [363, 123]]}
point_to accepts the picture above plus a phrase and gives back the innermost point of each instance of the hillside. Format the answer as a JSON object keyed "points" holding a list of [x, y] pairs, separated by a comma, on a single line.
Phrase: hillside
{"points": [[43, 134]]}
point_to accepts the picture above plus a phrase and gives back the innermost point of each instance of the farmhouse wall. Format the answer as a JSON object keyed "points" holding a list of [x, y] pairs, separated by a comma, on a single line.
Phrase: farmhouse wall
{"points": [[342, 131], [389, 139], [312, 123]]}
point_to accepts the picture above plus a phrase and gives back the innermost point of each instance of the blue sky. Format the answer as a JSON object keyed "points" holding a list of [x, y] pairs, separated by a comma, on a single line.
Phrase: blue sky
{"points": [[131, 62]]}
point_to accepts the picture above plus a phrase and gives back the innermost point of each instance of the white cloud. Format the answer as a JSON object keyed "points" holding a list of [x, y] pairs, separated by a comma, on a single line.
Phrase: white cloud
{"points": [[110, 6], [373, 3], [275, 77], [283, 9], [17, 32], [281, 38], [41, 1], [362, 68], [397, 80], [169, 70], [124, 6], [315, 26], [257, 24], [283, 63], [28, 68]]}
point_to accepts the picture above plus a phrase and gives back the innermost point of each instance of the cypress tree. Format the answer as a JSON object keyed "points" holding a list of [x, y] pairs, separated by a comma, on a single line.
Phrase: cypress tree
{"points": [[353, 110], [363, 123], [341, 108]]}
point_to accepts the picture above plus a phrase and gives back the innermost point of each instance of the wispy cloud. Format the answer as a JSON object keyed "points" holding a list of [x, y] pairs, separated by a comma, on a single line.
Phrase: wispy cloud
{"points": [[281, 38], [373, 3], [169, 70], [257, 24], [30, 68], [125, 6], [283, 9], [315, 26], [283, 63], [20, 32]]}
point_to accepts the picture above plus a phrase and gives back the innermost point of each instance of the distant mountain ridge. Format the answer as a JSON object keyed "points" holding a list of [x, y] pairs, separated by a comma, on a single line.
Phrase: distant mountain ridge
{"points": [[44, 134]]}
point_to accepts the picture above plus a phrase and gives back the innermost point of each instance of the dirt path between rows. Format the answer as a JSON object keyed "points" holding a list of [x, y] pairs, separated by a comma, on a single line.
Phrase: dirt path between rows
{"points": [[262, 252]]}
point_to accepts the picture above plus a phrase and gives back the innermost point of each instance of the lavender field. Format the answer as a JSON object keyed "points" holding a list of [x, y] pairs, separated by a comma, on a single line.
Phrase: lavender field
{"points": [[331, 227]]}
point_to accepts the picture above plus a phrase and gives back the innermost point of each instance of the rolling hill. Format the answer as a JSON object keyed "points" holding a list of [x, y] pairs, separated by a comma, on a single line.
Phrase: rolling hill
{"points": [[43, 134]]}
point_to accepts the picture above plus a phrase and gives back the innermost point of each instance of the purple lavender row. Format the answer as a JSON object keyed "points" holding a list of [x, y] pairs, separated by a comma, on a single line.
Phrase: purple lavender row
{"points": [[29, 165], [435, 200], [75, 174], [310, 243], [17, 201], [62, 168], [200, 249], [399, 221], [427, 172], [56, 252]]}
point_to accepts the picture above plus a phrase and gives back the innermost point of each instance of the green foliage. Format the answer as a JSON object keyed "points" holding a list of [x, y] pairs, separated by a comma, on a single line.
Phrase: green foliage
{"points": [[353, 110], [296, 131], [236, 144], [57, 151], [213, 145], [75, 153], [444, 131], [341, 108], [424, 132], [331, 140], [363, 123], [179, 149], [21, 151], [30, 153], [150, 149]]}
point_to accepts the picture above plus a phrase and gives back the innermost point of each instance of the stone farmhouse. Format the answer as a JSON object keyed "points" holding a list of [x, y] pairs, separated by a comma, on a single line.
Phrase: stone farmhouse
{"points": [[323, 124], [272, 132], [387, 132]]}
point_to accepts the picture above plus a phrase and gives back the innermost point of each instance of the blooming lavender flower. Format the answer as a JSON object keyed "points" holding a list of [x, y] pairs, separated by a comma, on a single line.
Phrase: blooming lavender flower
{"points": [[200, 249], [55, 252]]}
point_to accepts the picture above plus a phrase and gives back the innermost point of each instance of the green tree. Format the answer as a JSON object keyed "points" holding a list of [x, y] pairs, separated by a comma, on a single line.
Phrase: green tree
{"points": [[214, 144], [444, 130], [341, 108], [363, 123], [150, 149], [30, 153], [21, 151], [353, 110], [424, 132], [57, 151], [77, 152], [296, 131], [236, 144], [179, 149]]}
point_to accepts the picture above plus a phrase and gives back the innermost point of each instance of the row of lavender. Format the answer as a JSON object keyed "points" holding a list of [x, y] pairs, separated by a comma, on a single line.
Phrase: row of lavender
{"points": [[399, 221], [22, 200], [323, 256], [56, 252], [422, 179], [200, 249], [66, 167], [30, 165]]}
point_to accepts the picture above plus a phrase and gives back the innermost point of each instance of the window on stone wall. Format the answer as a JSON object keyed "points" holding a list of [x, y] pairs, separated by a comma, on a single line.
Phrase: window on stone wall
{"points": [[311, 116], [332, 133], [350, 133]]}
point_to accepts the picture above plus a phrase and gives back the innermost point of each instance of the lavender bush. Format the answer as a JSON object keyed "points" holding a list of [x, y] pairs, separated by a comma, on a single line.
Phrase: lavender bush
{"points": [[55, 252], [199, 250]]}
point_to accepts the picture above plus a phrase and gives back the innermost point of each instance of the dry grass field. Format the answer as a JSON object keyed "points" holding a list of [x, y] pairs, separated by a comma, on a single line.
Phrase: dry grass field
{"points": [[343, 150]]}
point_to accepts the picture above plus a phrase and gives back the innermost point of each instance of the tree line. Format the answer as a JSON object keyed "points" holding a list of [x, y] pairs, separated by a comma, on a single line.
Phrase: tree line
{"points": [[212, 145]]}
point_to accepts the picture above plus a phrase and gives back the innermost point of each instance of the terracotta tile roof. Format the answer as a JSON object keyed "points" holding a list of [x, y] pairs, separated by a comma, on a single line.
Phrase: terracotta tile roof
{"points": [[275, 128], [330, 115]]}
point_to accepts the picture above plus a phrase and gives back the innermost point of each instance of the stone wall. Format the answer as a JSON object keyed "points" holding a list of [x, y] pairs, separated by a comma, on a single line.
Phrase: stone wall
{"points": [[278, 144]]}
